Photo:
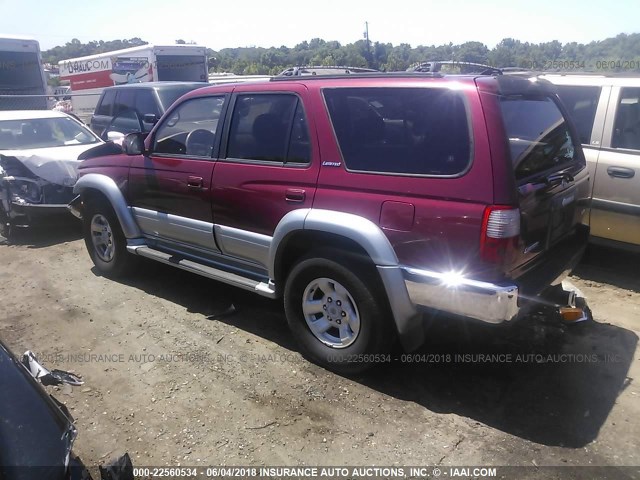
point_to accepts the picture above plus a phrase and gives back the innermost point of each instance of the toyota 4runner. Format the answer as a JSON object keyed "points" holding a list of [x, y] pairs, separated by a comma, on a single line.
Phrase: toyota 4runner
{"points": [[362, 200]]}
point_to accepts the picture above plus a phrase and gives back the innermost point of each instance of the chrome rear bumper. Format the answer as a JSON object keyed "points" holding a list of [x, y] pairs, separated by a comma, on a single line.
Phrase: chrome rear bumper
{"points": [[457, 295]]}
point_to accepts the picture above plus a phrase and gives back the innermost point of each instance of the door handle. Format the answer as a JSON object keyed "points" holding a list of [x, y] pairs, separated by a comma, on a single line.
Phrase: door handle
{"points": [[194, 182], [295, 195], [621, 172]]}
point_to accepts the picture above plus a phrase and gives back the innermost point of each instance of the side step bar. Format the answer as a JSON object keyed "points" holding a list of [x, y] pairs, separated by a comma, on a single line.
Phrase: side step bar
{"points": [[262, 288]]}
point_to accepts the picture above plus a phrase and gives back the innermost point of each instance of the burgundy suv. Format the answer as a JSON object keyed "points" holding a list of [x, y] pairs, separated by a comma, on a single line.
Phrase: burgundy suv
{"points": [[362, 200]]}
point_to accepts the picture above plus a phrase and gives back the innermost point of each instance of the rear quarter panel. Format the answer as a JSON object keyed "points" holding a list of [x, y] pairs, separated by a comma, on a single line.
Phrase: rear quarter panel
{"points": [[437, 220]]}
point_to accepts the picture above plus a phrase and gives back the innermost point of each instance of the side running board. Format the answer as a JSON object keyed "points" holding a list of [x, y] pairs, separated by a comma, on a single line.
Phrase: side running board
{"points": [[262, 288]]}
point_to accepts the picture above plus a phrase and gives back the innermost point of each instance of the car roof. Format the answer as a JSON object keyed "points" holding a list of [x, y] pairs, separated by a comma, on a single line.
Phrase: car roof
{"points": [[592, 80], [159, 85], [31, 114], [334, 81]]}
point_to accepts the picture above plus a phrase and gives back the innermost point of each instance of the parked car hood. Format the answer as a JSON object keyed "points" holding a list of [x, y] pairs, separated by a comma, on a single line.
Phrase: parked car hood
{"points": [[57, 165]]}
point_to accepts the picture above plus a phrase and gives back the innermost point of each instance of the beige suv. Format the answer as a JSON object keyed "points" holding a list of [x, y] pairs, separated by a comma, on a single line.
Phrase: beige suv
{"points": [[606, 111]]}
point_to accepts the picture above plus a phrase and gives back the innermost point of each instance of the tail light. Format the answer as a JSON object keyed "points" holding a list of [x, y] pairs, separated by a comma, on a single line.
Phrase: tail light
{"points": [[500, 232]]}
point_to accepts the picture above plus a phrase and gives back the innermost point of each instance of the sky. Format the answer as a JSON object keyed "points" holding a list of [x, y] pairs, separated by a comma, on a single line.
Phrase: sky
{"points": [[264, 23]]}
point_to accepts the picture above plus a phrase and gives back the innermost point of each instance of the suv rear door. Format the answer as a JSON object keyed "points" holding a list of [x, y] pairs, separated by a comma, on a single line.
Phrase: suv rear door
{"points": [[548, 166], [268, 167]]}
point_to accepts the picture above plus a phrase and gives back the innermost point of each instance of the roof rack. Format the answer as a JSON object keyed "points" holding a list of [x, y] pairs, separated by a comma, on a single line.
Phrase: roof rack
{"points": [[310, 70], [463, 67], [373, 74]]}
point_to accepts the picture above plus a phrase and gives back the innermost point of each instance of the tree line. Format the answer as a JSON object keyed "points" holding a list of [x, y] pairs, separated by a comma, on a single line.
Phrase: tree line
{"points": [[617, 54]]}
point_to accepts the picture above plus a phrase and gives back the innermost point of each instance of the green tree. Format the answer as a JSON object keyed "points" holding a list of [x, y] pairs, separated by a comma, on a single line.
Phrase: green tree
{"points": [[475, 52], [385, 56]]}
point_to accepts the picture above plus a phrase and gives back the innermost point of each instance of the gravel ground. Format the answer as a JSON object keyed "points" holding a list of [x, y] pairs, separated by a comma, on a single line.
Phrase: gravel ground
{"points": [[175, 376]]}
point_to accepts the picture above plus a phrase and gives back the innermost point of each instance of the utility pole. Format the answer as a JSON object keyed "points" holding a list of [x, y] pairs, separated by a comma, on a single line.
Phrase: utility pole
{"points": [[366, 34]]}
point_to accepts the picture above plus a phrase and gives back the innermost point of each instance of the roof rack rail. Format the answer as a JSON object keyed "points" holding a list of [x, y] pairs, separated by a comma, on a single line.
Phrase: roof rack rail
{"points": [[309, 70], [454, 67], [523, 72], [374, 74]]}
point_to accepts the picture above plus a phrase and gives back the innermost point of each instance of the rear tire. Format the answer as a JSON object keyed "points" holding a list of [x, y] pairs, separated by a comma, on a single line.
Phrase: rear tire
{"points": [[338, 314], [103, 237]]}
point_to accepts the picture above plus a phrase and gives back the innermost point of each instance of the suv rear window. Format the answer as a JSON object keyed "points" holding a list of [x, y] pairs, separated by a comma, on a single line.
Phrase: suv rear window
{"points": [[418, 131], [539, 137]]}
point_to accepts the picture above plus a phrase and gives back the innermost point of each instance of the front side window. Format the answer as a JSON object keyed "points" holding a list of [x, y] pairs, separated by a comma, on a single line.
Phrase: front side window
{"points": [[626, 129], [146, 103], [416, 131], [269, 127], [581, 103], [191, 128], [127, 121], [539, 137]]}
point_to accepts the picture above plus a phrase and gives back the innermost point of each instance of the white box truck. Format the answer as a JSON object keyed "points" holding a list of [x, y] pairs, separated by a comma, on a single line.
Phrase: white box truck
{"points": [[23, 83], [147, 63]]}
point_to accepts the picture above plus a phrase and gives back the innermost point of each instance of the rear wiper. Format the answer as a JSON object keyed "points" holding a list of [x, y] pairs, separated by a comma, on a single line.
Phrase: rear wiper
{"points": [[558, 178]]}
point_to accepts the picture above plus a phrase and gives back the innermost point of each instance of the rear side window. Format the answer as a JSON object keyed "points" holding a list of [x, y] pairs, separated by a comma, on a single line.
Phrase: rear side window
{"points": [[106, 105], [539, 137], [581, 103], [419, 131], [269, 127], [626, 129]]}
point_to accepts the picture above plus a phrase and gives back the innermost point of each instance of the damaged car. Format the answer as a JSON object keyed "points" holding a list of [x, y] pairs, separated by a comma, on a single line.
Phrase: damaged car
{"points": [[39, 153], [36, 431]]}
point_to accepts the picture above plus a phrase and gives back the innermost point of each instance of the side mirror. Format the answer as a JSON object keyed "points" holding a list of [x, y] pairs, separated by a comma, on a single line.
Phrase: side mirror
{"points": [[151, 118], [115, 137], [133, 144]]}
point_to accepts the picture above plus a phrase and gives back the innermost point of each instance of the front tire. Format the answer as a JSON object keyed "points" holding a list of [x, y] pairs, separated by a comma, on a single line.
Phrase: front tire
{"points": [[7, 230], [338, 313], [103, 237]]}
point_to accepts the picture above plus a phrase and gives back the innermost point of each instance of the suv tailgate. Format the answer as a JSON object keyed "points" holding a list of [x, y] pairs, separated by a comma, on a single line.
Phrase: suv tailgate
{"points": [[549, 170]]}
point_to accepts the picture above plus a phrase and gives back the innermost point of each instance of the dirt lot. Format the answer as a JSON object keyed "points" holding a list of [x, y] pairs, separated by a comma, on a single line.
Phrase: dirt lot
{"points": [[174, 381]]}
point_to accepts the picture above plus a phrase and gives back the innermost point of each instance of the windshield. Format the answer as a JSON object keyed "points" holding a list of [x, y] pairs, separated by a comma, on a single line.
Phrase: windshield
{"points": [[43, 133], [170, 95], [539, 136]]}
